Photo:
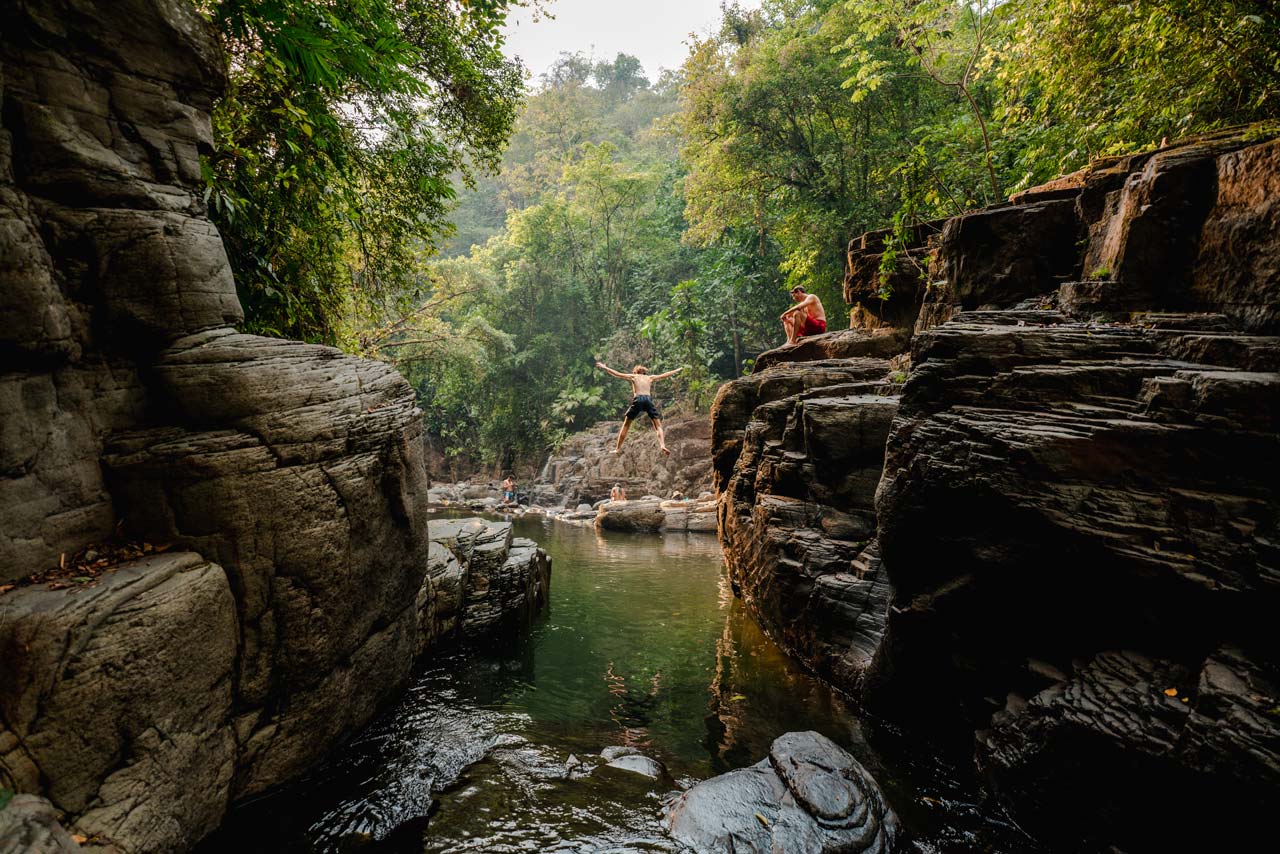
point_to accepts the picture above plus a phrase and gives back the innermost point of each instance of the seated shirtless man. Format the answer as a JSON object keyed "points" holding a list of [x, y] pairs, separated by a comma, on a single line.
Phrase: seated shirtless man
{"points": [[806, 317], [641, 384]]}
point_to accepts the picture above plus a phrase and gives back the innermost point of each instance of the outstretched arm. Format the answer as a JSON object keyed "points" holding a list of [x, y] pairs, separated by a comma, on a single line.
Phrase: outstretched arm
{"points": [[608, 370], [663, 376]]}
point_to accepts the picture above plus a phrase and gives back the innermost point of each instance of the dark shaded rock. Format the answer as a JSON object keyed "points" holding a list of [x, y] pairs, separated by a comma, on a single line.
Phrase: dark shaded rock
{"points": [[1157, 729], [736, 401], [797, 509], [29, 825], [807, 796], [1237, 265], [1031, 467], [889, 298], [1000, 256]]}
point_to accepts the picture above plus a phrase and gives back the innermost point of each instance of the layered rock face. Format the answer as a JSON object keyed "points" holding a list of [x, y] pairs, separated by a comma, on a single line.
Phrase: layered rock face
{"points": [[285, 479], [584, 469], [798, 450], [1078, 513], [1077, 519], [481, 580]]}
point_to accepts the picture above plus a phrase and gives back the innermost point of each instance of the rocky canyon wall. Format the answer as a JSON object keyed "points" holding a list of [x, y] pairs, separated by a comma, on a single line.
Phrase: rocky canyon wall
{"points": [[1077, 519], [276, 490], [584, 468]]}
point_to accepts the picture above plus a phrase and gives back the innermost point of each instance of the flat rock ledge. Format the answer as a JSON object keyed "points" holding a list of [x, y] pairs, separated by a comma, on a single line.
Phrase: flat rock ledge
{"points": [[653, 515], [808, 796]]}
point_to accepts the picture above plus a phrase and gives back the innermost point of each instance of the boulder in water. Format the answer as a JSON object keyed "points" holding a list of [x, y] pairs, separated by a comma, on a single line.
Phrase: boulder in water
{"points": [[808, 795]]}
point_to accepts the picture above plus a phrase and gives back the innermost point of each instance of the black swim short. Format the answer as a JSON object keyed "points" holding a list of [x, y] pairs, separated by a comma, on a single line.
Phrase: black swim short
{"points": [[643, 403]]}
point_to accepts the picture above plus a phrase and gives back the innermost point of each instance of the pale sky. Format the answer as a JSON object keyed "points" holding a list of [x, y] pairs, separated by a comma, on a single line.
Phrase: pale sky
{"points": [[655, 31]]}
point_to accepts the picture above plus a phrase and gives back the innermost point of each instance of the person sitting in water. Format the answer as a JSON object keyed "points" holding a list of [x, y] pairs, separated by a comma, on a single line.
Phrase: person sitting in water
{"points": [[806, 317], [641, 386], [508, 490]]}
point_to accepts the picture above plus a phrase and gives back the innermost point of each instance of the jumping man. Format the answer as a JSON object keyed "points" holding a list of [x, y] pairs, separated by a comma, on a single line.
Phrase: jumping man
{"points": [[806, 317], [641, 384]]}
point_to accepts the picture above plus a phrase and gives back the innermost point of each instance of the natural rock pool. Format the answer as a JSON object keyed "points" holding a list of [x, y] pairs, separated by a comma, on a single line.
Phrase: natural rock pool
{"points": [[644, 646]]}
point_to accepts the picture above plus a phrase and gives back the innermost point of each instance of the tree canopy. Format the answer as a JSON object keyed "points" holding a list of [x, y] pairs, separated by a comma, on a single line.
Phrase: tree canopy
{"points": [[384, 180]]}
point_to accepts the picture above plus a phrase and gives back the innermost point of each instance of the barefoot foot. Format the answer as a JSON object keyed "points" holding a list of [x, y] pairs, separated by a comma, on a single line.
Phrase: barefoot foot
{"points": [[666, 450]]}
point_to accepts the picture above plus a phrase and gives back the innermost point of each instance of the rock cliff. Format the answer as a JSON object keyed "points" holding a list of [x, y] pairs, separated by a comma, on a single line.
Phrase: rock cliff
{"points": [[284, 482], [583, 469], [1077, 517]]}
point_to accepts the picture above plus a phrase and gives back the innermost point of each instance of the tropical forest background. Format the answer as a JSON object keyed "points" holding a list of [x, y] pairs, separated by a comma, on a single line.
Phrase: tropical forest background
{"points": [[389, 181]]}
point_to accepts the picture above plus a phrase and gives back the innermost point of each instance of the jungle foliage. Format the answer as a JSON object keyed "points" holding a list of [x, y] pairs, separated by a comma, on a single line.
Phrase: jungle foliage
{"points": [[658, 221], [344, 128]]}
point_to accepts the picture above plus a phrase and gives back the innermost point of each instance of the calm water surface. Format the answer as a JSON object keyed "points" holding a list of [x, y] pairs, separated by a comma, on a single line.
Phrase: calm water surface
{"points": [[644, 645]]}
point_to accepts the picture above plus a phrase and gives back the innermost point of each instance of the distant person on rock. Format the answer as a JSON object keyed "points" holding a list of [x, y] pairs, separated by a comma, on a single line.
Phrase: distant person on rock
{"points": [[617, 493], [508, 490], [641, 384], [806, 317]]}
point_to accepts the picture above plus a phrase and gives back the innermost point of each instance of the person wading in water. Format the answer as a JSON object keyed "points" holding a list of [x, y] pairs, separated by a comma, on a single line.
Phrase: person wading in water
{"points": [[806, 317], [641, 384]]}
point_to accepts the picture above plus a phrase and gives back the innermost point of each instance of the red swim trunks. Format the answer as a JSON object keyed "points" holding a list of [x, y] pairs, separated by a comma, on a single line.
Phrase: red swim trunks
{"points": [[812, 326]]}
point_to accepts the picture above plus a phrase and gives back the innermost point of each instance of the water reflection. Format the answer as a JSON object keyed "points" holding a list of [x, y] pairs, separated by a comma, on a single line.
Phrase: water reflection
{"points": [[644, 646]]}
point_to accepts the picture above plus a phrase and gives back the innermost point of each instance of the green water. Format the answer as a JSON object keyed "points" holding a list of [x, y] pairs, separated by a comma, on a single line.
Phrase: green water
{"points": [[644, 646]]}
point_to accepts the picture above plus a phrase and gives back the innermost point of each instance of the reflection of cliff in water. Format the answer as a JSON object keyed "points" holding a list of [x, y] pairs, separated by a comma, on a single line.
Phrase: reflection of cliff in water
{"points": [[753, 683]]}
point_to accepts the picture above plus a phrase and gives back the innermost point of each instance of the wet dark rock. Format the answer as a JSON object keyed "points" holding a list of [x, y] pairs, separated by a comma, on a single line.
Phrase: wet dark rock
{"points": [[29, 825], [809, 795], [797, 506]]}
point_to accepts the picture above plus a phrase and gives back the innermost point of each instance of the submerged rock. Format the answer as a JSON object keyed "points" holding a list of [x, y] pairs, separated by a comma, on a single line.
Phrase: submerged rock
{"points": [[809, 795], [642, 765]]}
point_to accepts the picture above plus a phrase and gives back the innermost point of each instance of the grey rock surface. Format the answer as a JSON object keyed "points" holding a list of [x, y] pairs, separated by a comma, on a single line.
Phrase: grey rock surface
{"points": [[482, 581], [808, 797], [118, 700], [288, 478], [583, 469], [29, 825]]}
